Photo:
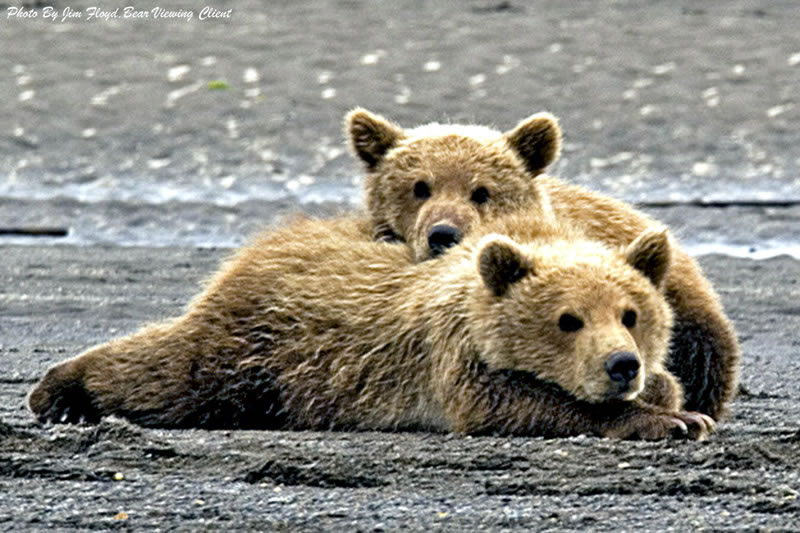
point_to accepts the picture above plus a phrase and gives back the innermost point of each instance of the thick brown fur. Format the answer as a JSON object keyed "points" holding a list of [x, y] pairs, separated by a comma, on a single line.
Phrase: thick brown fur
{"points": [[455, 160], [313, 326], [704, 351]]}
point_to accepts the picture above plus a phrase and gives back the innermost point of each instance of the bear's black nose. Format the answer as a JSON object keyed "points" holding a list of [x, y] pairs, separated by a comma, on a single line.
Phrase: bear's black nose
{"points": [[442, 237], [622, 368]]}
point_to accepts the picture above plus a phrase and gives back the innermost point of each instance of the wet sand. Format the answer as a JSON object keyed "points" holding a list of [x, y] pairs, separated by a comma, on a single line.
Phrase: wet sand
{"points": [[58, 301]]}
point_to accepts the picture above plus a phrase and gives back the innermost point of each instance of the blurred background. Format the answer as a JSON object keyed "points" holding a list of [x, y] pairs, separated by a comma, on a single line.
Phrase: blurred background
{"points": [[168, 128]]}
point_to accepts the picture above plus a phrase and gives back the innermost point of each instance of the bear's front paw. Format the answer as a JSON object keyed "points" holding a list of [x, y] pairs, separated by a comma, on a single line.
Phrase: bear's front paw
{"points": [[662, 425], [61, 397], [696, 426]]}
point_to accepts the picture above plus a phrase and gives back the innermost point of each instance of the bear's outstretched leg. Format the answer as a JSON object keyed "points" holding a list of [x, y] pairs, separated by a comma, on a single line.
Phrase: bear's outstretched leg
{"points": [[134, 377], [155, 388], [509, 402], [181, 373]]}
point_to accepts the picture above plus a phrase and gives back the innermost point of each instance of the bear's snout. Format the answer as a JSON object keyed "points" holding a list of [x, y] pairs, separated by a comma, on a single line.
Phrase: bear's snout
{"points": [[622, 368], [441, 237]]}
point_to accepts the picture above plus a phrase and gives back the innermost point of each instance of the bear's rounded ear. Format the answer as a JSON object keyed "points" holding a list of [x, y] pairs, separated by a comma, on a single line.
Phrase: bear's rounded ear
{"points": [[371, 136], [501, 263], [537, 140], [651, 254]]}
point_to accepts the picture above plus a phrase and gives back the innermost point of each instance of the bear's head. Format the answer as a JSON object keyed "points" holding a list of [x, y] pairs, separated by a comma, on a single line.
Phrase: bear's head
{"points": [[590, 319], [429, 185]]}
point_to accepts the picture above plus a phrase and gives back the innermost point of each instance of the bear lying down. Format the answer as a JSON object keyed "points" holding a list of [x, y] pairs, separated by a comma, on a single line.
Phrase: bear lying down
{"points": [[428, 186], [529, 330]]}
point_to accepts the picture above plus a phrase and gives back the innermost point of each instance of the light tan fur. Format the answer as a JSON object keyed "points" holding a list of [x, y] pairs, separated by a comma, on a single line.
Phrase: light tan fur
{"points": [[455, 160], [314, 326]]}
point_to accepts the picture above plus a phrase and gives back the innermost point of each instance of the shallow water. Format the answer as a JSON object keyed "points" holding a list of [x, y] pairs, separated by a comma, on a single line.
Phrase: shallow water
{"points": [[161, 212], [756, 251]]}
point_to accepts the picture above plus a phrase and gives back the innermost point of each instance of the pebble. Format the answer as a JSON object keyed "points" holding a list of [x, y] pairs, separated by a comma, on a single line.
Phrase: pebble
{"points": [[647, 110], [177, 94], [509, 63], [403, 97], [251, 75], [703, 168], [101, 98], [372, 58], [711, 96], [178, 73], [774, 111], [477, 79], [660, 70], [155, 164]]}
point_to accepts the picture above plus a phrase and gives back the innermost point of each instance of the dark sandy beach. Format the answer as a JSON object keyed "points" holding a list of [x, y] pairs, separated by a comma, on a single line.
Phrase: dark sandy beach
{"points": [[111, 131], [59, 300]]}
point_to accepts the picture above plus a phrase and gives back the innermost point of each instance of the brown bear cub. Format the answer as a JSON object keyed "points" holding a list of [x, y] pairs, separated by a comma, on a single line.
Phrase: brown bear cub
{"points": [[546, 334], [429, 185]]}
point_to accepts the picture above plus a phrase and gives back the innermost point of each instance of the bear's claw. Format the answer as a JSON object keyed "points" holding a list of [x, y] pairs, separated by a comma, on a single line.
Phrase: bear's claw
{"points": [[60, 397], [664, 424], [695, 426]]}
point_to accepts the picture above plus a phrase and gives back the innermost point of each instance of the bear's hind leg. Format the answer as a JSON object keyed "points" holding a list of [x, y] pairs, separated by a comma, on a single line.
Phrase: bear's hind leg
{"points": [[705, 359], [242, 398], [61, 396]]}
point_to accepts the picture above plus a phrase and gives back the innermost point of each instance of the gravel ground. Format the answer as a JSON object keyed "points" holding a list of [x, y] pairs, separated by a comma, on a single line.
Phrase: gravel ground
{"points": [[60, 300]]}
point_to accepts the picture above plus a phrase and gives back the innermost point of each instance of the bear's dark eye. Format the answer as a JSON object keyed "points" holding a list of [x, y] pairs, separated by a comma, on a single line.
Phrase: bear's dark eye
{"points": [[569, 323], [421, 190], [480, 195], [629, 318]]}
